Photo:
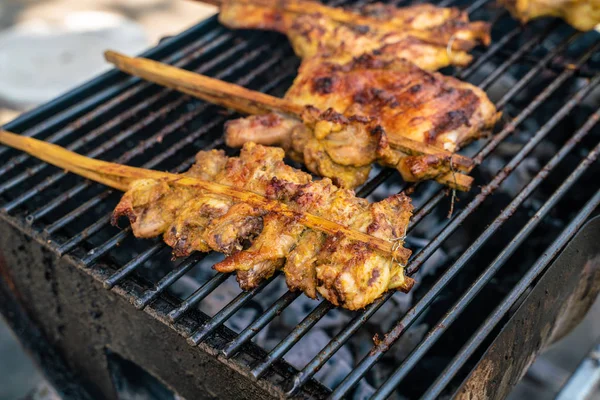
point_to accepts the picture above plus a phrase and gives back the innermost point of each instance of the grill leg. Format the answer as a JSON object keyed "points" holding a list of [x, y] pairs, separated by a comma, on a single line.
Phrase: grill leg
{"points": [[80, 321]]}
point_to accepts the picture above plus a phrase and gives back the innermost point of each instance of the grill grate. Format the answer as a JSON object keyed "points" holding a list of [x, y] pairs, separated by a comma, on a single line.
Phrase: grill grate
{"points": [[120, 118]]}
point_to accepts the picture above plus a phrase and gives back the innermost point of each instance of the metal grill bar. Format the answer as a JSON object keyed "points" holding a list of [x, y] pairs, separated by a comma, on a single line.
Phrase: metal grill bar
{"points": [[533, 72], [81, 236], [491, 51], [151, 294], [107, 102], [72, 215], [75, 240], [325, 354], [424, 210], [399, 328], [473, 7], [130, 266], [98, 151], [491, 322], [256, 326], [308, 322], [105, 247], [466, 299], [523, 49], [219, 318], [374, 183], [332, 347], [197, 296]]}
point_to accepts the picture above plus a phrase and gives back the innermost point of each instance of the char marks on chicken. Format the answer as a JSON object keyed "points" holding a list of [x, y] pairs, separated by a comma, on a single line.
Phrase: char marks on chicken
{"points": [[371, 103], [363, 95]]}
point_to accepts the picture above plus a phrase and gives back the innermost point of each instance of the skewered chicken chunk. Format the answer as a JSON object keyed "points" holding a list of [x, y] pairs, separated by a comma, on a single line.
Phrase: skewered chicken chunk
{"points": [[431, 37], [434, 115], [384, 101], [258, 242], [581, 14]]}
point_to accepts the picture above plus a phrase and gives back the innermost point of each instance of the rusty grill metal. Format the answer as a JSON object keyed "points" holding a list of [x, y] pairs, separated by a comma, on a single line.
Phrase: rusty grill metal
{"points": [[120, 118]]}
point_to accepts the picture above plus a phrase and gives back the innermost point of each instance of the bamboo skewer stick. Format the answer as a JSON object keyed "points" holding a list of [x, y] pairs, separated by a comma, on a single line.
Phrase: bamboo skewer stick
{"points": [[195, 84], [252, 102], [120, 177]]}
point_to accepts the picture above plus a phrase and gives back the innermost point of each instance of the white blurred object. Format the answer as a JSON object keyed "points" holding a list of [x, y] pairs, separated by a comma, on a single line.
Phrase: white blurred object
{"points": [[40, 60]]}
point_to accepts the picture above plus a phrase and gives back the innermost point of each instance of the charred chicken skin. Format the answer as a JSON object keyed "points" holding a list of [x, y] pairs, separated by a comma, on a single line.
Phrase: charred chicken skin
{"points": [[431, 37], [348, 273], [581, 14], [371, 102]]}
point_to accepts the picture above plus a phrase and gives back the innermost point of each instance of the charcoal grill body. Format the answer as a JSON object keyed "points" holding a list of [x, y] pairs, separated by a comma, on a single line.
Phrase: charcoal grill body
{"points": [[553, 307], [81, 321], [56, 260], [70, 311]]}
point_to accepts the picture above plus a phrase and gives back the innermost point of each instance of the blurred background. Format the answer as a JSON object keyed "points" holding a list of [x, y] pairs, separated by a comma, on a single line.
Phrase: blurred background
{"points": [[48, 47]]}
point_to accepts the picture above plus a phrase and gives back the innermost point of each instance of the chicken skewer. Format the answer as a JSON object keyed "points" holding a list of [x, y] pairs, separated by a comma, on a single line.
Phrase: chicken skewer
{"points": [[221, 203], [121, 177], [356, 64], [431, 37], [247, 101]]}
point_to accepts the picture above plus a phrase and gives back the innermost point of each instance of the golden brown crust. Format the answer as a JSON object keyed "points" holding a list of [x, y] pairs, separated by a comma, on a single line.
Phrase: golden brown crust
{"points": [[260, 242], [155, 200], [405, 100], [422, 33]]}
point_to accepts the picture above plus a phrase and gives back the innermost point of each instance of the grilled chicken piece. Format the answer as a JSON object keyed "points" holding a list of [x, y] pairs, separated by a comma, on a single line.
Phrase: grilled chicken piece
{"points": [[384, 101], [259, 242], [350, 273], [581, 14], [431, 37], [346, 273], [184, 217], [406, 100]]}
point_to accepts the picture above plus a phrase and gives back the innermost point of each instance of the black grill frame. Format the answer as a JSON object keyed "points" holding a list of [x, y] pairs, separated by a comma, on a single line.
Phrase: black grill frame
{"points": [[61, 119]]}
